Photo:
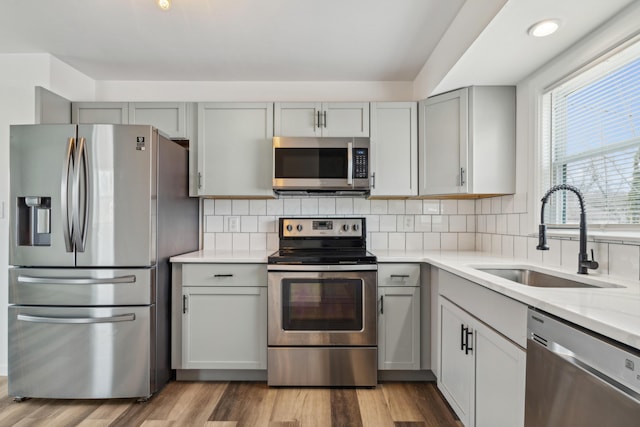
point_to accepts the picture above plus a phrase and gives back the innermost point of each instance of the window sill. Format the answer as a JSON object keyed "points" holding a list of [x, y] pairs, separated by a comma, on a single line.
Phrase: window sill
{"points": [[630, 237]]}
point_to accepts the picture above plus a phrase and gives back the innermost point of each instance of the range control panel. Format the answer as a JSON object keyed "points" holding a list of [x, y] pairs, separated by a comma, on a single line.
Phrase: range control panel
{"points": [[319, 227]]}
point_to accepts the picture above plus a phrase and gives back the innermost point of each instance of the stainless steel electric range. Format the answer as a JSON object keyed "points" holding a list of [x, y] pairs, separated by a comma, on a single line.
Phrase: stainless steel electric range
{"points": [[322, 305]]}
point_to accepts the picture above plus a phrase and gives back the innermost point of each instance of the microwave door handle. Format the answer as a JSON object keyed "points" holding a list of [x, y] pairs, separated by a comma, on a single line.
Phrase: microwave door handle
{"points": [[350, 163]]}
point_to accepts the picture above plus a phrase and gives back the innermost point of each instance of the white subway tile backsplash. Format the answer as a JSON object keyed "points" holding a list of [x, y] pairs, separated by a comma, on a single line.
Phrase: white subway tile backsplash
{"points": [[486, 206], [388, 223], [258, 241], [273, 241], [241, 241], [327, 206], [481, 223], [624, 261], [214, 224], [248, 224], [507, 204], [209, 241], [496, 244], [569, 254], [431, 207], [267, 224], [458, 223], [344, 206], [507, 246], [224, 241], [520, 247], [466, 207], [431, 241], [554, 255], [496, 205], [422, 223], [486, 242], [309, 206], [448, 207], [223, 207], [396, 241], [292, 207], [471, 223], [533, 254], [413, 207], [466, 241], [513, 224], [379, 241], [440, 223], [379, 207], [520, 203], [275, 207], [413, 241], [501, 224], [396, 207], [404, 223], [208, 207], [491, 224], [361, 206], [373, 222], [240, 207], [257, 207], [449, 241]]}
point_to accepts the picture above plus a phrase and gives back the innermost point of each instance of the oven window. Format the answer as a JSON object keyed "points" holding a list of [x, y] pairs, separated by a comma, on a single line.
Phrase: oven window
{"points": [[314, 163], [322, 304]]}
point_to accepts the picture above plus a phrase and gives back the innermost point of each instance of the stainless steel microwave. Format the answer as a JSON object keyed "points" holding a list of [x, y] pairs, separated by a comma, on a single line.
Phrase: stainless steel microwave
{"points": [[321, 164]]}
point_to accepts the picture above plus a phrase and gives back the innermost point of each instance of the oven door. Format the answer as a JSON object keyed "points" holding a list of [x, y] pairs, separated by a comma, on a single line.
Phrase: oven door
{"points": [[322, 308], [320, 163]]}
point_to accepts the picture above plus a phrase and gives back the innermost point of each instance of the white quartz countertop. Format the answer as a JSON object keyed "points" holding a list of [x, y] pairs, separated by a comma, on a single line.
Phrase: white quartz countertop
{"points": [[610, 311]]}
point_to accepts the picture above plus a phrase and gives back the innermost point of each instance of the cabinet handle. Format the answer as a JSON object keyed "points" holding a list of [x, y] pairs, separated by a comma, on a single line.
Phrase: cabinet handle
{"points": [[223, 275], [184, 304], [468, 348], [373, 180], [461, 177], [462, 335], [318, 119], [382, 304], [400, 276], [199, 180], [324, 119]]}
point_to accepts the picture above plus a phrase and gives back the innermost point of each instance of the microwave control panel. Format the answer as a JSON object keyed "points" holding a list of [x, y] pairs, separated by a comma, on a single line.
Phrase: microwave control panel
{"points": [[360, 163]]}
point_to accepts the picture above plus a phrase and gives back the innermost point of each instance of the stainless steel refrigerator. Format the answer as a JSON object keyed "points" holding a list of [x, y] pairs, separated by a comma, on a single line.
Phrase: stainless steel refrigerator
{"points": [[96, 211]]}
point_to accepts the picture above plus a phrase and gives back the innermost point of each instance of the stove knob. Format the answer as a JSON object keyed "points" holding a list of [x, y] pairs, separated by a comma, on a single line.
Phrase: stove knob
{"points": [[355, 227], [299, 227], [345, 227], [289, 227]]}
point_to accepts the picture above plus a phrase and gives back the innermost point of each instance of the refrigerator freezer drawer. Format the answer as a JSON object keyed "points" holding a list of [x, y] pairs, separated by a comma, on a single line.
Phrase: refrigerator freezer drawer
{"points": [[81, 287], [80, 353]]}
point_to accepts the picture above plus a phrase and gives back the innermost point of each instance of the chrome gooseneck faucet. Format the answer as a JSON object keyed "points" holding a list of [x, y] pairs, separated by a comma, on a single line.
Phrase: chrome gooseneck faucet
{"points": [[583, 258]]}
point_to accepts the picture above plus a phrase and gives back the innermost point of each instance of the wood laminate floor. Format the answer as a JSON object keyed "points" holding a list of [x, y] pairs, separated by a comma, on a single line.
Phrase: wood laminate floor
{"points": [[239, 404]]}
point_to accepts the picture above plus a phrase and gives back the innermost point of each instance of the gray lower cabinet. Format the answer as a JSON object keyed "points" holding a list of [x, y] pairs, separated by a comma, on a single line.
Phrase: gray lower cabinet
{"points": [[399, 317], [224, 316]]}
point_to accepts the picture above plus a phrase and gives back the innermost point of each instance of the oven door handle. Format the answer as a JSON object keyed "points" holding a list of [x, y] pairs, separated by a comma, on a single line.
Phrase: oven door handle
{"points": [[331, 267]]}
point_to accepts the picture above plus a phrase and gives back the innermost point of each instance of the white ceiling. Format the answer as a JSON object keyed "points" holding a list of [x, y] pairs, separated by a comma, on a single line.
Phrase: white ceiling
{"points": [[288, 40]]}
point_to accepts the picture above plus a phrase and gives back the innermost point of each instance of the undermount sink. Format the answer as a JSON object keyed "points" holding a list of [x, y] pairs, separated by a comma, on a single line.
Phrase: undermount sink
{"points": [[528, 277]]}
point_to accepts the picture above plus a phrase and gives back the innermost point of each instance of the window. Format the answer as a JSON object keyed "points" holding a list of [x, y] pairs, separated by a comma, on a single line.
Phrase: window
{"points": [[591, 140]]}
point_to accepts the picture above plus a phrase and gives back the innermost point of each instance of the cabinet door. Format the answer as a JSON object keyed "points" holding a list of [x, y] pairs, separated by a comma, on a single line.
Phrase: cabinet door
{"points": [[235, 149], [224, 328], [500, 380], [456, 380], [443, 142], [113, 113], [399, 328], [169, 117], [394, 148], [297, 119], [350, 119]]}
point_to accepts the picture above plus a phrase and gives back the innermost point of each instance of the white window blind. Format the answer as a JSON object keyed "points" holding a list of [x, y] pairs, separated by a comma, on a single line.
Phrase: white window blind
{"points": [[592, 142]]}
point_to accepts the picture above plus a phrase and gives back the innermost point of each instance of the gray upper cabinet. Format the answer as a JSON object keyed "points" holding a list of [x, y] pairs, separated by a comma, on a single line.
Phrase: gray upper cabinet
{"points": [[394, 149], [171, 118], [235, 149], [349, 119], [467, 142], [113, 113], [51, 108]]}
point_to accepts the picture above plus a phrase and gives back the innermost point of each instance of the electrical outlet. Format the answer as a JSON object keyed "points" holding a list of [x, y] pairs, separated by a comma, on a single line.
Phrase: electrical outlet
{"points": [[408, 223], [234, 224]]}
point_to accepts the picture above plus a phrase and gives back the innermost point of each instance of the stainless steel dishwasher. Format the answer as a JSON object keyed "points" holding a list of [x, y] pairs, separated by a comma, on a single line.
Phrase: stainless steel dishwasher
{"points": [[576, 378]]}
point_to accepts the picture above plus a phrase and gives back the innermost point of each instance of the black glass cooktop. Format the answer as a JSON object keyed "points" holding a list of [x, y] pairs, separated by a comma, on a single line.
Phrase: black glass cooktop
{"points": [[322, 256]]}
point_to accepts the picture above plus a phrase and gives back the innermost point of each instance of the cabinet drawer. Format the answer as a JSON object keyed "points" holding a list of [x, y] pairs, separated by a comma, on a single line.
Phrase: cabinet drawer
{"points": [[224, 275], [398, 274]]}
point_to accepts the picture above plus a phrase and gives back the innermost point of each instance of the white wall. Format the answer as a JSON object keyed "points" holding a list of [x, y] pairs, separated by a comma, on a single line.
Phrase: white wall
{"points": [[251, 91], [19, 75]]}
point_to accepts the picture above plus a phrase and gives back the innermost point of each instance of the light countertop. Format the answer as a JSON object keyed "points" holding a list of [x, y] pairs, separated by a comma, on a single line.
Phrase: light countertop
{"points": [[610, 311]]}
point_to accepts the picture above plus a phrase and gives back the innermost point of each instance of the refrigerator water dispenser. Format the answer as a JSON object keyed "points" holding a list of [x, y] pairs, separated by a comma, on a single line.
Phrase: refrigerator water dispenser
{"points": [[34, 221]]}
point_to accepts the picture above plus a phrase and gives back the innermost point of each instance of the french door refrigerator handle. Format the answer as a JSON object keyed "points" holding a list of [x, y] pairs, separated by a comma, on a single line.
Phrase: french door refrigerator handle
{"points": [[77, 320], [75, 281], [81, 235], [67, 231]]}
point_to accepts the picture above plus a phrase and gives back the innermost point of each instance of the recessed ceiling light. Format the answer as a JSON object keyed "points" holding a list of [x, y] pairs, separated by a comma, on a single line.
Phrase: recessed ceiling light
{"points": [[164, 4], [544, 28]]}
